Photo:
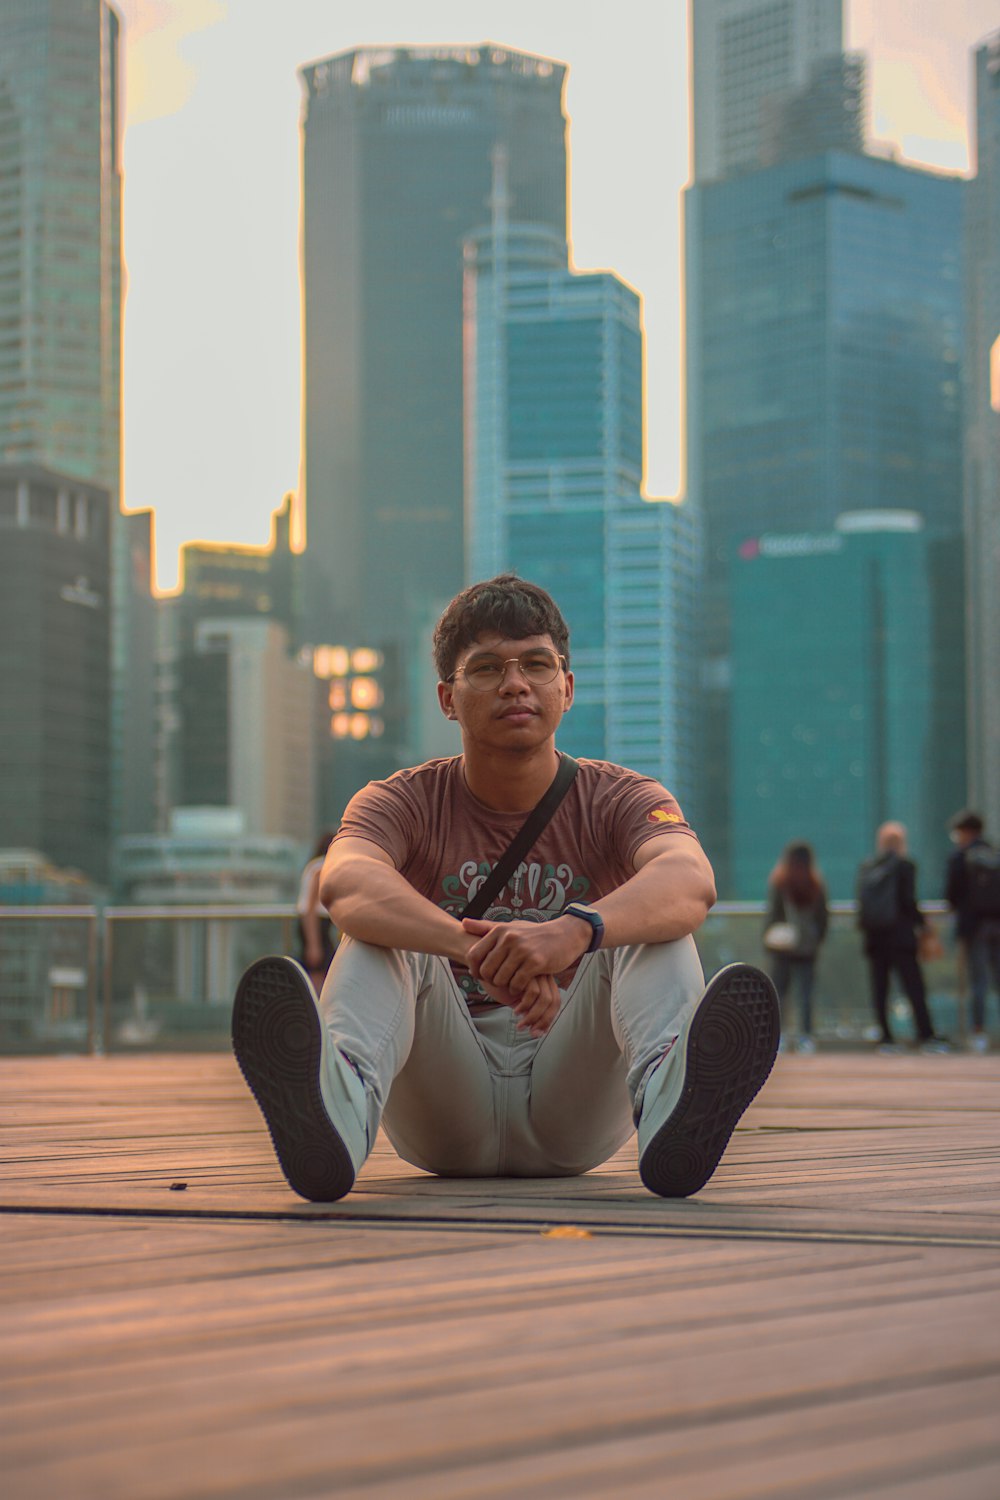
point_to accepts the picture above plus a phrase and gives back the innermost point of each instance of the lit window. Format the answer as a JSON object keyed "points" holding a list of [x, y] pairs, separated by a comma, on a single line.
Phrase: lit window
{"points": [[365, 693], [365, 659]]}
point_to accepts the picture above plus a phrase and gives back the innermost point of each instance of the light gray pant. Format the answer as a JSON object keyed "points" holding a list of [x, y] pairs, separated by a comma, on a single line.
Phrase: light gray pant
{"points": [[471, 1096]]}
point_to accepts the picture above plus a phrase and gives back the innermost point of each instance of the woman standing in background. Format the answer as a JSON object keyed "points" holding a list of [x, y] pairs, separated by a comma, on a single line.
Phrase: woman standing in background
{"points": [[797, 920]]}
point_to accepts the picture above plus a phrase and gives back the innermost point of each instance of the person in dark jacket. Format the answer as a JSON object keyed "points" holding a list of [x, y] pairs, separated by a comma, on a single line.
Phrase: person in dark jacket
{"points": [[977, 930], [890, 934], [797, 901]]}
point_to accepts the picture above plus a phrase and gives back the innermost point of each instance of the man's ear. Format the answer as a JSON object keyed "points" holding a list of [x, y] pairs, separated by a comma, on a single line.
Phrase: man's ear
{"points": [[568, 700], [446, 698]]}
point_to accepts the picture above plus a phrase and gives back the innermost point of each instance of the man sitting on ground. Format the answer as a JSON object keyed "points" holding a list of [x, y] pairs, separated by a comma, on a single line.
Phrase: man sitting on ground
{"points": [[533, 1040]]}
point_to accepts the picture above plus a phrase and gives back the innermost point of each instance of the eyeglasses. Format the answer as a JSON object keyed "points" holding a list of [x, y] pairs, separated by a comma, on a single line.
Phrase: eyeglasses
{"points": [[486, 673]]}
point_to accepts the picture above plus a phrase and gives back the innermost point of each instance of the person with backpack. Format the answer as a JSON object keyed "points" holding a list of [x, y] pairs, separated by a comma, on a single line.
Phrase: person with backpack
{"points": [[972, 890], [797, 919], [890, 919]]}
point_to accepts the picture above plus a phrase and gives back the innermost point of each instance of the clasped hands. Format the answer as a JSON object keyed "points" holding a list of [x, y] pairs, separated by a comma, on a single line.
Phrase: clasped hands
{"points": [[516, 963]]}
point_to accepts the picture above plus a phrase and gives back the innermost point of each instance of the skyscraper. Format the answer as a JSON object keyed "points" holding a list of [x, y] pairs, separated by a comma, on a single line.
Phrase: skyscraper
{"points": [[55, 778], [824, 344], [982, 438], [554, 432], [833, 696], [60, 393], [748, 57], [823, 354], [397, 168], [60, 238]]}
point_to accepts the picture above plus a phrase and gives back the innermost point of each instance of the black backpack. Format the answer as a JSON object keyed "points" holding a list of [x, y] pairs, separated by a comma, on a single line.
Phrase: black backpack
{"points": [[982, 875], [878, 894]]}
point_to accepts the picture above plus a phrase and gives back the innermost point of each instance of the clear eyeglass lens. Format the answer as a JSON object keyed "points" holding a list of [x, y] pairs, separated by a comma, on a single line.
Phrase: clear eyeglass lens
{"points": [[538, 667]]}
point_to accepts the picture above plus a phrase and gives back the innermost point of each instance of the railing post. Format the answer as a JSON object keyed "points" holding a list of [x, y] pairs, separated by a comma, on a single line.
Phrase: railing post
{"points": [[105, 1045], [93, 950]]}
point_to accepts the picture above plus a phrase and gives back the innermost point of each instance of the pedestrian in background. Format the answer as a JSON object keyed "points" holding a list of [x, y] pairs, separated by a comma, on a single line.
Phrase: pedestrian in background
{"points": [[891, 922], [972, 890], [797, 920]]}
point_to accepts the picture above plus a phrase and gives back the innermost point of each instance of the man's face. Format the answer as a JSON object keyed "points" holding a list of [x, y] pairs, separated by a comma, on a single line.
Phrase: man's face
{"points": [[517, 714]]}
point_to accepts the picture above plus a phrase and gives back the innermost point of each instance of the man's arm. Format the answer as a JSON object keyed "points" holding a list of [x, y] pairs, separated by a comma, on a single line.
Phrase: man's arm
{"points": [[312, 924], [668, 897], [370, 900]]}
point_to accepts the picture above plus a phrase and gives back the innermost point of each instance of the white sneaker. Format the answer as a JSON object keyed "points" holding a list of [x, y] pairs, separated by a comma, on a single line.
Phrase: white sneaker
{"points": [[696, 1095], [310, 1096], [979, 1042]]}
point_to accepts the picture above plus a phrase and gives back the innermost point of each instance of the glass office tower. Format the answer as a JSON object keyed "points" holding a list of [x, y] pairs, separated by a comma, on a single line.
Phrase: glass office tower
{"points": [[398, 164], [982, 439], [55, 771], [60, 387], [554, 434], [60, 238], [748, 57], [824, 347], [836, 659]]}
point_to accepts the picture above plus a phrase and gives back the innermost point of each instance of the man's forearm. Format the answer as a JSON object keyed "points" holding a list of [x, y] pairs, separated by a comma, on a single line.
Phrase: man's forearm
{"points": [[374, 903], [666, 899]]}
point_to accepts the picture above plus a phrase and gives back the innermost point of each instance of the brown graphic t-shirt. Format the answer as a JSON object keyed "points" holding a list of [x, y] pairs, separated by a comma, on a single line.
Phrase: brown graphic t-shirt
{"points": [[446, 842]]}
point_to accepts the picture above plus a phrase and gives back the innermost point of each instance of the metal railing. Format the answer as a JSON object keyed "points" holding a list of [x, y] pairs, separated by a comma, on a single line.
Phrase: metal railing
{"points": [[145, 978]]}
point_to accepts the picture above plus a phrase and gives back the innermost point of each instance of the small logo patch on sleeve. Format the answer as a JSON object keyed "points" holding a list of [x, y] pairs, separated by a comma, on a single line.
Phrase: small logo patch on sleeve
{"points": [[666, 813]]}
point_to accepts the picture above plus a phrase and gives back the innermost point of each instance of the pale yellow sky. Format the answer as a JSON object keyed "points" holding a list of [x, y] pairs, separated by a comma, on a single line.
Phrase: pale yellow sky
{"points": [[212, 347]]}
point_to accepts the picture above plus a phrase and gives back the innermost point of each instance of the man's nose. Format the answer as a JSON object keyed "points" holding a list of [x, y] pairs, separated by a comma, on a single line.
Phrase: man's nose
{"points": [[514, 679]]}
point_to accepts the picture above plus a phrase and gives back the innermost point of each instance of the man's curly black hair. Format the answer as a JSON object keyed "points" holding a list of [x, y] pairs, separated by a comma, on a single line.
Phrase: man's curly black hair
{"points": [[507, 606]]}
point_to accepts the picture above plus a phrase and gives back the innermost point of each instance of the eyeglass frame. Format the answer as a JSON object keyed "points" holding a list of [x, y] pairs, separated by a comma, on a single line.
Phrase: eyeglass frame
{"points": [[561, 665]]}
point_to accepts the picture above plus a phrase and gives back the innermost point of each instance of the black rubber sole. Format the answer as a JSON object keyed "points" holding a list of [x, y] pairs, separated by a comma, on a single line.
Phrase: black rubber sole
{"points": [[278, 1045], [731, 1048]]}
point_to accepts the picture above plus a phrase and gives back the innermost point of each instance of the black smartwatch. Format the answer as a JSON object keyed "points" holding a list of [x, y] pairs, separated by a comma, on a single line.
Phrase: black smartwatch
{"points": [[591, 917]]}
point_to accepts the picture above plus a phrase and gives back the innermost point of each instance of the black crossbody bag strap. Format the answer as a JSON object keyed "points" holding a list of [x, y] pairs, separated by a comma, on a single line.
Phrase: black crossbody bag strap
{"points": [[524, 838]]}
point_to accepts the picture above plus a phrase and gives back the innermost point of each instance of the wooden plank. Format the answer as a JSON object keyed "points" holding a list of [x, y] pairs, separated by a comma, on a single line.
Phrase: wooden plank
{"points": [[441, 1351]]}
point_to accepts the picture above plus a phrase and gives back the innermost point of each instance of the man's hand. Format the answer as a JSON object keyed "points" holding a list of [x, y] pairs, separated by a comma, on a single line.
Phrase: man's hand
{"points": [[536, 1006], [511, 954]]}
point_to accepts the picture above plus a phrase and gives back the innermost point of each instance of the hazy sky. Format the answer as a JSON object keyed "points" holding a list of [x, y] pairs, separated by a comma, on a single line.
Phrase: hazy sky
{"points": [[212, 344]]}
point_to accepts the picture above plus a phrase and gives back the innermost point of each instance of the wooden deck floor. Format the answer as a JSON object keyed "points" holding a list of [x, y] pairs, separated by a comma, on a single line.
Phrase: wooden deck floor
{"points": [[822, 1321]]}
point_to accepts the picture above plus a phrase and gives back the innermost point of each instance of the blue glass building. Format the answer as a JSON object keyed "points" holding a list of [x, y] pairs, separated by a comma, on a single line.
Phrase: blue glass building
{"points": [[833, 697], [824, 345], [554, 466]]}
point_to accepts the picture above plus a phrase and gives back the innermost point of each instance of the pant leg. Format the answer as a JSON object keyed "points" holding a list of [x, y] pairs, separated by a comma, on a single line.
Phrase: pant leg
{"points": [[400, 1019], [994, 955], [879, 968], [621, 1014], [781, 973], [977, 953], [806, 975], [911, 977]]}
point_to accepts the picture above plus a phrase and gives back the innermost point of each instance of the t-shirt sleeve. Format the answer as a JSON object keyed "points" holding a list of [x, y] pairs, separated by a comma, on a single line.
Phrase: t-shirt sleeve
{"points": [[643, 810], [384, 814]]}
